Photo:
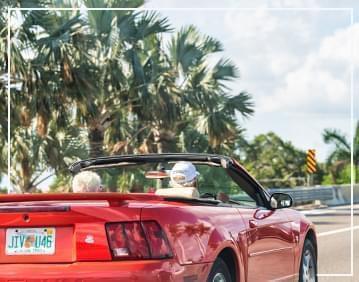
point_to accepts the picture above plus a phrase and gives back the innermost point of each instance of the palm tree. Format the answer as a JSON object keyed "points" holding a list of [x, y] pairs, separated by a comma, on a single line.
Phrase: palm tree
{"points": [[35, 158], [206, 98], [42, 49], [119, 79], [182, 90], [109, 74], [3, 87], [341, 155], [3, 133]]}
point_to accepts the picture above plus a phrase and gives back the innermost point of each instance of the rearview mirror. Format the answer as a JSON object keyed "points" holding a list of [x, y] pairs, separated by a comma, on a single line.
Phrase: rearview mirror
{"points": [[280, 201]]}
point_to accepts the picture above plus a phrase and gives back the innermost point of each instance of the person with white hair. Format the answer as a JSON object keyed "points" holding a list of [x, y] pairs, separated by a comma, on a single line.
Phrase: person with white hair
{"points": [[86, 181]]}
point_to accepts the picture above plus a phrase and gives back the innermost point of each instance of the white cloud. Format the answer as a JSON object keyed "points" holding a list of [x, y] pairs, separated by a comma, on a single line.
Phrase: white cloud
{"points": [[294, 3], [322, 82], [294, 63], [250, 24], [337, 48], [231, 3], [283, 63]]}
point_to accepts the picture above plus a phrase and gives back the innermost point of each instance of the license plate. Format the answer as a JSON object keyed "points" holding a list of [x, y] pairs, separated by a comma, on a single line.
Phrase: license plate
{"points": [[30, 241]]}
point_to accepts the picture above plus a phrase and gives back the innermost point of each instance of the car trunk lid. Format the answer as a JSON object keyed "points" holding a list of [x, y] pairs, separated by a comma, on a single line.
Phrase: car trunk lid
{"points": [[62, 228]]}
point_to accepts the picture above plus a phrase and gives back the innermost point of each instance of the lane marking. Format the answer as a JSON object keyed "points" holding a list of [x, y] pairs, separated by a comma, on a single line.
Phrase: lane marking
{"points": [[318, 211], [334, 209], [327, 233]]}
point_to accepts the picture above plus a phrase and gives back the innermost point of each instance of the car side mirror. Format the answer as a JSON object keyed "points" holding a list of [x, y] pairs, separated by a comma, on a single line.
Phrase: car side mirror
{"points": [[280, 201]]}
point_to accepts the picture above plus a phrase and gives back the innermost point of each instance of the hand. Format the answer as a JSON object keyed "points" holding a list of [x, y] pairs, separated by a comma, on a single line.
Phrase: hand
{"points": [[222, 197]]}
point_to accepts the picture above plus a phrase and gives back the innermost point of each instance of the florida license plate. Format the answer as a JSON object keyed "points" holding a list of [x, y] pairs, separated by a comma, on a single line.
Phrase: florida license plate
{"points": [[30, 241]]}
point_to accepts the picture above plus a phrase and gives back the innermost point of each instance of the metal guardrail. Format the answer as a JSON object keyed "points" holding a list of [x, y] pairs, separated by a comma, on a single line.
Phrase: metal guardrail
{"points": [[307, 194], [328, 195]]}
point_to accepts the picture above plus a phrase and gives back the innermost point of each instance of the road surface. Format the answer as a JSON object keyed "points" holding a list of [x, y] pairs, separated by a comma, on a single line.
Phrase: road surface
{"points": [[334, 244]]}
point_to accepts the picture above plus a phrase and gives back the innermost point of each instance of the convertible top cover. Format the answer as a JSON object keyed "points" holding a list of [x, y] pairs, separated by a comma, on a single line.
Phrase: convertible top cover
{"points": [[128, 160]]}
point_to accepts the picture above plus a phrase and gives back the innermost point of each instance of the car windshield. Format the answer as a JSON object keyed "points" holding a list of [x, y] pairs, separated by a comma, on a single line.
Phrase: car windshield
{"points": [[149, 177]]}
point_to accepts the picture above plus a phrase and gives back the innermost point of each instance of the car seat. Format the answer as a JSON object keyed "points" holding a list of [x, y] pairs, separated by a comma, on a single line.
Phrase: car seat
{"points": [[184, 192]]}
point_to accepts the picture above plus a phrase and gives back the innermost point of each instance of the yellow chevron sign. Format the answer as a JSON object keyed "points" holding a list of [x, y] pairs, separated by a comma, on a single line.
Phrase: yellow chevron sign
{"points": [[311, 162]]}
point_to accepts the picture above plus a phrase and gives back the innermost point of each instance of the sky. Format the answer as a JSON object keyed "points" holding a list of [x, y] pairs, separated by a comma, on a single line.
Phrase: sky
{"points": [[296, 64]]}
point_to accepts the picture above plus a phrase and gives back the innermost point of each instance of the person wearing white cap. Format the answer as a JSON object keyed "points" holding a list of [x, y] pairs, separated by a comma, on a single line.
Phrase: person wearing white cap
{"points": [[183, 180], [184, 174]]}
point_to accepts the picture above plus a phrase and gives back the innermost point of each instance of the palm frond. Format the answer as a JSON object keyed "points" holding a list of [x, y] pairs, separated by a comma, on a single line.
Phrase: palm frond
{"points": [[184, 50], [211, 45], [241, 103], [225, 70], [150, 23], [333, 136]]}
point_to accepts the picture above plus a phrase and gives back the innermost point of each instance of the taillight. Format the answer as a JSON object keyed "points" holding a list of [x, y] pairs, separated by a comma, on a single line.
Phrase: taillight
{"points": [[157, 240], [138, 240]]}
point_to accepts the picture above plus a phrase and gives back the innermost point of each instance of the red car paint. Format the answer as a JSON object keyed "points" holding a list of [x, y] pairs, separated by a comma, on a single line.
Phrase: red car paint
{"points": [[266, 244]]}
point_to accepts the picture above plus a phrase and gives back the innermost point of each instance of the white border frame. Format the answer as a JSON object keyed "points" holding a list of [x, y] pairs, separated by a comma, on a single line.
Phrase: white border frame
{"points": [[351, 10]]}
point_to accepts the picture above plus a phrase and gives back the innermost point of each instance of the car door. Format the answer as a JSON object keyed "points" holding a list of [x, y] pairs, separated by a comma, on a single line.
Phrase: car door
{"points": [[270, 244], [270, 238]]}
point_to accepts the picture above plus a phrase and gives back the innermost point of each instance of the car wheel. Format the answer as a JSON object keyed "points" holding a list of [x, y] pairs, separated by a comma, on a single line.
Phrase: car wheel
{"points": [[308, 264], [219, 272]]}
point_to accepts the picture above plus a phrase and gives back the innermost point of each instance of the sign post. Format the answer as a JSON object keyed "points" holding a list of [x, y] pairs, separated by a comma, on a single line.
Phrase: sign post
{"points": [[311, 166]]}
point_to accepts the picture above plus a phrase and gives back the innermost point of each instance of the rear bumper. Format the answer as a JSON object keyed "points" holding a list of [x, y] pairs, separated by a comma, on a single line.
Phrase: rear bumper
{"points": [[158, 270]]}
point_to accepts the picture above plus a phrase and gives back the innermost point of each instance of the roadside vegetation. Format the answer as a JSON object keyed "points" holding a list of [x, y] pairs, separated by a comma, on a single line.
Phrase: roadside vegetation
{"points": [[88, 84], [338, 164]]}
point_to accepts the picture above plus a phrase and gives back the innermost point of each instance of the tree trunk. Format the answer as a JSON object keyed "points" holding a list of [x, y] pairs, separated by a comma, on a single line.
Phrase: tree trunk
{"points": [[112, 183], [41, 124], [96, 142], [157, 139], [25, 175], [96, 133], [159, 149]]}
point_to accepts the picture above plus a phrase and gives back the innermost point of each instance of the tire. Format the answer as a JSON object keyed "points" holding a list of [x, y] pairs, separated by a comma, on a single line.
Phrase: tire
{"points": [[219, 272], [308, 263]]}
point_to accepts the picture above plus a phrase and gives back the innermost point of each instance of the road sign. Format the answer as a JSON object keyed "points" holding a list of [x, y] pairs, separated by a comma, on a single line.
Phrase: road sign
{"points": [[311, 162]]}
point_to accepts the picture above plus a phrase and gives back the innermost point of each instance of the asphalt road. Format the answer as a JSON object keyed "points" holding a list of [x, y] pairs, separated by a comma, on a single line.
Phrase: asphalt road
{"points": [[334, 244]]}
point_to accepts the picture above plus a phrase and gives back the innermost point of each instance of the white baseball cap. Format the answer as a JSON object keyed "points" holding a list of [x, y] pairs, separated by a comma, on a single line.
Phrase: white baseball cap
{"points": [[183, 172]]}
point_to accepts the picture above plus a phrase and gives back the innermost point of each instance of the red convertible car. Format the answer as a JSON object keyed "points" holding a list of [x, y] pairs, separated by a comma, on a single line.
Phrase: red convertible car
{"points": [[233, 231]]}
